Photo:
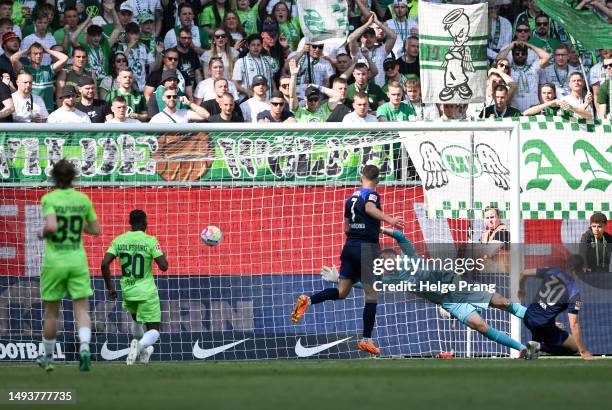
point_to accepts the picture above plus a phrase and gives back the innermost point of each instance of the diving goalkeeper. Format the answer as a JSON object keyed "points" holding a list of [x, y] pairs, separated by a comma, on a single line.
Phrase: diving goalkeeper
{"points": [[463, 305]]}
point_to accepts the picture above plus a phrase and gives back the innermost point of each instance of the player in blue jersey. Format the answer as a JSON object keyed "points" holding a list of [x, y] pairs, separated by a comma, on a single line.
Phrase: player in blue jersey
{"points": [[558, 293], [464, 304], [362, 217]]}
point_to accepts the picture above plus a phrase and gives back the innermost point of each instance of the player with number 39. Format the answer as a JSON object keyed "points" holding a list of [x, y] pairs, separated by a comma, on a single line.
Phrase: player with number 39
{"points": [[68, 213]]}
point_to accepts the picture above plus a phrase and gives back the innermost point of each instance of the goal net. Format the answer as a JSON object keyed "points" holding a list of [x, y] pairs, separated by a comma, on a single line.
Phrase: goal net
{"points": [[278, 197]]}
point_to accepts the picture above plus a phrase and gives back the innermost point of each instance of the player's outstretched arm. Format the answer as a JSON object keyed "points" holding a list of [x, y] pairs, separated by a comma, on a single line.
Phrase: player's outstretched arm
{"points": [[106, 273], [162, 263], [394, 221], [403, 242], [574, 323]]}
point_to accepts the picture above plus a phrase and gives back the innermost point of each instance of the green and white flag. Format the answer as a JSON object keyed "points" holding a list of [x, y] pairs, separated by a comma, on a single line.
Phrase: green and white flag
{"points": [[453, 52], [323, 20]]}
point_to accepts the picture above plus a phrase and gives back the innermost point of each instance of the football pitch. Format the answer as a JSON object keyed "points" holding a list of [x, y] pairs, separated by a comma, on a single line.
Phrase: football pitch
{"points": [[383, 384]]}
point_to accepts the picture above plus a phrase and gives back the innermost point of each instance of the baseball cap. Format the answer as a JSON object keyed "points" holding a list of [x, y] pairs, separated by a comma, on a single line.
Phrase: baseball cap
{"points": [[168, 74], [389, 63], [85, 80], [145, 16], [126, 7], [258, 80], [68, 90], [311, 91], [9, 35]]}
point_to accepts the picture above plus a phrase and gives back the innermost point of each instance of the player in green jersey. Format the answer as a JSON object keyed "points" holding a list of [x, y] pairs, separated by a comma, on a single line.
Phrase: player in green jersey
{"points": [[68, 213], [136, 251]]}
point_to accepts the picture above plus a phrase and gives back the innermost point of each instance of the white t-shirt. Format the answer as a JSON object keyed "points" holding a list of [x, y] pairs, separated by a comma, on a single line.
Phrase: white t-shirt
{"points": [[321, 71], [126, 121], [331, 47], [179, 117], [62, 116], [26, 107], [138, 58], [48, 41], [597, 74], [577, 102], [207, 55], [424, 112], [377, 56], [170, 37], [138, 6], [352, 117], [527, 79], [247, 67], [557, 76], [500, 36], [403, 29], [251, 107], [206, 90]]}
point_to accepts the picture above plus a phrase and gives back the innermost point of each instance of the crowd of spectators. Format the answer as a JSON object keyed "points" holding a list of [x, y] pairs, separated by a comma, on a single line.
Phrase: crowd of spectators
{"points": [[171, 61]]}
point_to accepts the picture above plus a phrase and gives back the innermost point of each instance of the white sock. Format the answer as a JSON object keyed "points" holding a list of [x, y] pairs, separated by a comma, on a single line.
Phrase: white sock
{"points": [[149, 338], [137, 330], [49, 346], [84, 337]]}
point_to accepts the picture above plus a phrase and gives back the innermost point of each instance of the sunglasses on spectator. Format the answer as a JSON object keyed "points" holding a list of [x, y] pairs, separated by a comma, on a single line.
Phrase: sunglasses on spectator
{"points": [[522, 30], [319, 46], [607, 65], [171, 96], [220, 36], [503, 65], [284, 85], [277, 103], [172, 58]]}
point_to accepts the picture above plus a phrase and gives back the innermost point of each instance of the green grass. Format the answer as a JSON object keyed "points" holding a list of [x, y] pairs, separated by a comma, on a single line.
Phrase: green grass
{"points": [[332, 384]]}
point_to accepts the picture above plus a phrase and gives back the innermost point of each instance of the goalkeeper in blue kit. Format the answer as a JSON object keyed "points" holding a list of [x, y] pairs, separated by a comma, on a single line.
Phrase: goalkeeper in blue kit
{"points": [[462, 304]]}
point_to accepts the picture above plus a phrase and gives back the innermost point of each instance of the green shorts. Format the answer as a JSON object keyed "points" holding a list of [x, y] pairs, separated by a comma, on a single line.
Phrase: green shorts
{"points": [[56, 283], [146, 311]]}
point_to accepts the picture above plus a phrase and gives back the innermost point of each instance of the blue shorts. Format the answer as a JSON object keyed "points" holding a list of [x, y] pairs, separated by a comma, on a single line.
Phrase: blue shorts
{"points": [[549, 334], [462, 311], [357, 261]]}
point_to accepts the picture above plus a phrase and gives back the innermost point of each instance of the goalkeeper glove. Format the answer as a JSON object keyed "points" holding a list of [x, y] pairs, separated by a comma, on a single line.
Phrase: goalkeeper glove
{"points": [[330, 274]]}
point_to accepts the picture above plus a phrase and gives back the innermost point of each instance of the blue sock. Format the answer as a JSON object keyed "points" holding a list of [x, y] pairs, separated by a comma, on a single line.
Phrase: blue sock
{"points": [[503, 338], [517, 310], [369, 317], [325, 294]]}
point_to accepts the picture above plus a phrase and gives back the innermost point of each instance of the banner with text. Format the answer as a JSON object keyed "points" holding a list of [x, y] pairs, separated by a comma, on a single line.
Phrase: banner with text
{"points": [[566, 169], [178, 158]]}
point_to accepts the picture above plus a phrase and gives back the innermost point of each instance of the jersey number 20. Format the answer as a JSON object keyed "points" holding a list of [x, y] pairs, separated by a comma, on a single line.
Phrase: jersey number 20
{"points": [[132, 265]]}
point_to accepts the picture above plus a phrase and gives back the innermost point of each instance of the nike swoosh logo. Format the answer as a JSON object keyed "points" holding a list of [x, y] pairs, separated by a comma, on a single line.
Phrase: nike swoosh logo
{"points": [[113, 354], [302, 351], [200, 353]]}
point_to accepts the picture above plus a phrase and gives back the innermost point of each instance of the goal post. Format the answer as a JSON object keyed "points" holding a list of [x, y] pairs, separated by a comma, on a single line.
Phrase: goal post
{"points": [[277, 192]]}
